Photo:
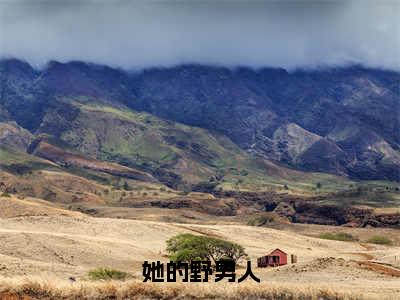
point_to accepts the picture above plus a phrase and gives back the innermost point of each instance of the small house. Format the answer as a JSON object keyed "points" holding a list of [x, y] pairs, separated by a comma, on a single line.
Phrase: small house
{"points": [[273, 259]]}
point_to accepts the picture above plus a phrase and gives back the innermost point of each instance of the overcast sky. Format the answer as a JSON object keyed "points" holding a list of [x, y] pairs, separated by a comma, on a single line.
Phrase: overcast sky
{"points": [[133, 34]]}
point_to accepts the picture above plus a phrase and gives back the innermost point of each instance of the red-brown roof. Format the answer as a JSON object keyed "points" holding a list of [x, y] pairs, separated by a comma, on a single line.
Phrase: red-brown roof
{"points": [[277, 249]]}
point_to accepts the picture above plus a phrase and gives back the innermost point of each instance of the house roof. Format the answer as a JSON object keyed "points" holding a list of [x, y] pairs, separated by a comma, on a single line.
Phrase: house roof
{"points": [[277, 249]]}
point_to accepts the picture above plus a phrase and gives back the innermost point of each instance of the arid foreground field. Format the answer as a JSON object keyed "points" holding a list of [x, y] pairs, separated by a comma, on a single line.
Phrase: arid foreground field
{"points": [[47, 252]]}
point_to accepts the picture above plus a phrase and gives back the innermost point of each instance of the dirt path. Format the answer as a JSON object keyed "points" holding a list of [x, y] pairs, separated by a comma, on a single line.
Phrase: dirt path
{"points": [[379, 268], [367, 247], [375, 266], [365, 256]]}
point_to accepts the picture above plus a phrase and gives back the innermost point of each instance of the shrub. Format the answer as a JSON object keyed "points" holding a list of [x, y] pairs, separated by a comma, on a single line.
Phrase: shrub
{"points": [[5, 194], [127, 187], [107, 274], [338, 236], [188, 247], [204, 187], [34, 288], [380, 240], [261, 220]]}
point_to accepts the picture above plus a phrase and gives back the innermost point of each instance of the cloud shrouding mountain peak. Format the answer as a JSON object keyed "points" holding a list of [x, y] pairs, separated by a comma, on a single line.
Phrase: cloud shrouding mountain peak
{"points": [[133, 34]]}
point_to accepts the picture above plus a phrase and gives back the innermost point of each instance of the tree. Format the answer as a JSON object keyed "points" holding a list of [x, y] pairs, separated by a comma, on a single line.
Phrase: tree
{"points": [[188, 247], [319, 185]]}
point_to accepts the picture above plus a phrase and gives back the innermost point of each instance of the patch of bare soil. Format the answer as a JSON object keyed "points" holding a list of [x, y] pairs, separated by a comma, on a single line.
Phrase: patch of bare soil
{"points": [[363, 255], [324, 263], [380, 268]]}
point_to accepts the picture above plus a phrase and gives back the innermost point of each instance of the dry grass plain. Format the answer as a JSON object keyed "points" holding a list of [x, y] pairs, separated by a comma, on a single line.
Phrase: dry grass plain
{"points": [[42, 245]]}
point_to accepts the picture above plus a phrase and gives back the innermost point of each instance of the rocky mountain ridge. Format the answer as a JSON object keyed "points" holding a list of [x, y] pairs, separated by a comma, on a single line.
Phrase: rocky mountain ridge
{"points": [[343, 121]]}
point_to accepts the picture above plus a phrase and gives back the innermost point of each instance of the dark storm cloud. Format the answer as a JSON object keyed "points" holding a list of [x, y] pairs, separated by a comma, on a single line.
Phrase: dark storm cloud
{"points": [[134, 34]]}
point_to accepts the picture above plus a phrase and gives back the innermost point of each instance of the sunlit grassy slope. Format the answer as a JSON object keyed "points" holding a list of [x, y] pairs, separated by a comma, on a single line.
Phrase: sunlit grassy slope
{"points": [[195, 155]]}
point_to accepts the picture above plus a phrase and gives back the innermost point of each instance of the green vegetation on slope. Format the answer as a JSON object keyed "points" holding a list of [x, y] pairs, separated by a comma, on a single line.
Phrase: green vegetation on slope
{"points": [[180, 153], [107, 274], [338, 236], [380, 240], [20, 163]]}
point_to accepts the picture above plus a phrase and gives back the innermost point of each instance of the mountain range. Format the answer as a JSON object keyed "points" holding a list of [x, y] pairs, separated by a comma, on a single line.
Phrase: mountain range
{"points": [[195, 124]]}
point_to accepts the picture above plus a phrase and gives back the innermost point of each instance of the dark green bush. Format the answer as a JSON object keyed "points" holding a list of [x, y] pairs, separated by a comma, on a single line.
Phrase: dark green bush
{"points": [[188, 247], [380, 240], [260, 220], [107, 274], [337, 236]]}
